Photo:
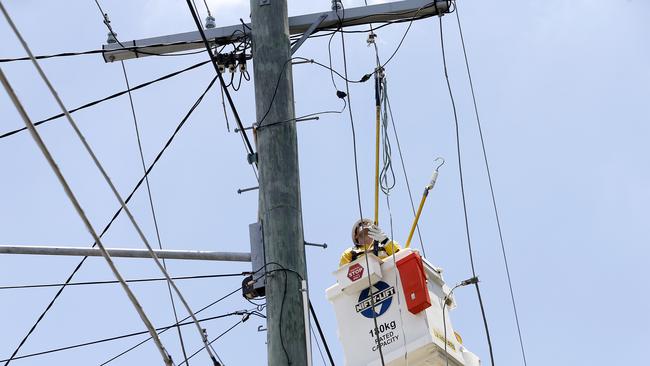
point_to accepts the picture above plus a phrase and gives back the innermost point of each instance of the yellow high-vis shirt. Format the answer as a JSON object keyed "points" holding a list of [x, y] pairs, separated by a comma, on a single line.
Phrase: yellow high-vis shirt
{"points": [[353, 253]]}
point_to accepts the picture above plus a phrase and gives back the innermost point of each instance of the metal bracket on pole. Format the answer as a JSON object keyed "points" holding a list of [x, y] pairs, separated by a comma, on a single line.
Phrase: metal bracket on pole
{"points": [[242, 190], [308, 32], [324, 245]]}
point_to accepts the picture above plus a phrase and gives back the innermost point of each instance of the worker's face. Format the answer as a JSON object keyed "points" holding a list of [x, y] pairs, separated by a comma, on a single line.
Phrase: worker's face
{"points": [[362, 236]]}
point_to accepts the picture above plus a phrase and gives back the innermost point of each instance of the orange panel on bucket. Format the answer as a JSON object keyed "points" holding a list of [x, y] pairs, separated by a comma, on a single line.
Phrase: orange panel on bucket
{"points": [[414, 282]]}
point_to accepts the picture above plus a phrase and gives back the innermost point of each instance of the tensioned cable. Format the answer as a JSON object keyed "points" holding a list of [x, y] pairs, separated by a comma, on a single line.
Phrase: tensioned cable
{"points": [[320, 350], [162, 331], [462, 188], [347, 88], [320, 332], [118, 212], [140, 280], [36, 136], [151, 205], [489, 176], [84, 218], [112, 96], [124, 336], [408, 185], [388, 108], [117, 195], [92, 52], [212, 341], [354, 135], [221, 81]]}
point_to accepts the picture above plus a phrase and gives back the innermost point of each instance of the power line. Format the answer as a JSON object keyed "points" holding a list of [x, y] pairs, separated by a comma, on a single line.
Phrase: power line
{"points": [[462, 188], [489, 175], [238, 289], [151, 205], [212, 341], [221, 81], [406, 178], [140, 280], [119, 211], [349, 103], [347, 88], [119, 198], [110, 339], [93, 52], [112, 96], [320, 332], [35, 135]]}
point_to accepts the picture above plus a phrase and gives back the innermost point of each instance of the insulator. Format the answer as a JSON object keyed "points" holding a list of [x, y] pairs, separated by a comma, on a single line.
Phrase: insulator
{"points": [[112, 38], [210, 22]]}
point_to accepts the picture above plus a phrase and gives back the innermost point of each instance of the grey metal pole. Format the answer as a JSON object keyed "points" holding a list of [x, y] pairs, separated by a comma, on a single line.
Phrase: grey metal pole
{"points": [[280, 206], [127, 253]]}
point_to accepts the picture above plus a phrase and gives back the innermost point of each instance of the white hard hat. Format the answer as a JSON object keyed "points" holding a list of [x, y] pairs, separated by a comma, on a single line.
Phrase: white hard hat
{"points": [[356, 226]]}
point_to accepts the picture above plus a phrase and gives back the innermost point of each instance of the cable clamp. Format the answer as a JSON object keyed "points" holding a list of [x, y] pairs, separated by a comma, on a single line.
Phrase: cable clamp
{"points": [[380, 72], [371, 38], [252, 158]]}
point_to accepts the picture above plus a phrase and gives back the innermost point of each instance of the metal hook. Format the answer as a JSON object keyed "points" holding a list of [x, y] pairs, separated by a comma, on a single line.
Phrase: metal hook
{"points": [[442, 162], [261, 329]]}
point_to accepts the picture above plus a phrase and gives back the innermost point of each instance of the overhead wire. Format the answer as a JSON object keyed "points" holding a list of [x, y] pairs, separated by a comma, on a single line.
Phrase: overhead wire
{"points": [[408, 185], [349, 104], [93, 52], [112, 96], [356, 169], [320, 350], [163, 270], [151, 205], [38, 140], [108, 282], [236, 290], [199, 311], [115, 338], [322, 335], [202, 332], [491, 185], [212, 341], [249, 147], [118, 212], [381, 94], [462, 187]]}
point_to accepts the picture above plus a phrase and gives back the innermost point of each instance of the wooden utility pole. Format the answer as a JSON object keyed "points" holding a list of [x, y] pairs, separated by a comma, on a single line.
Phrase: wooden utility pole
{"points": [[279, 198]]}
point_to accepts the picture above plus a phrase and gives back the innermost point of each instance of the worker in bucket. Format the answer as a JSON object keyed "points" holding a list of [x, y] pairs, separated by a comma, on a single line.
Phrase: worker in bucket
{"points": [[368, 237]]}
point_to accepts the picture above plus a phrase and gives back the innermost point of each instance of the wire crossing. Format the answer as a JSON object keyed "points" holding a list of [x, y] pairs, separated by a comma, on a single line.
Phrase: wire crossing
{"points": [[489, 176], [117, 213], [151, 205]]}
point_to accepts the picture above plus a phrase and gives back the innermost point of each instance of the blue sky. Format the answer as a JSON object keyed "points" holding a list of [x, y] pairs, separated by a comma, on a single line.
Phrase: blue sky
{"points": [[562, 88]]}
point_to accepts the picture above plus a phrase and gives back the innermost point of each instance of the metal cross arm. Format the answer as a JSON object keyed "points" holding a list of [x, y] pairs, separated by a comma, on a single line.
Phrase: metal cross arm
{"points": [[128, 253], [394, 11]]}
